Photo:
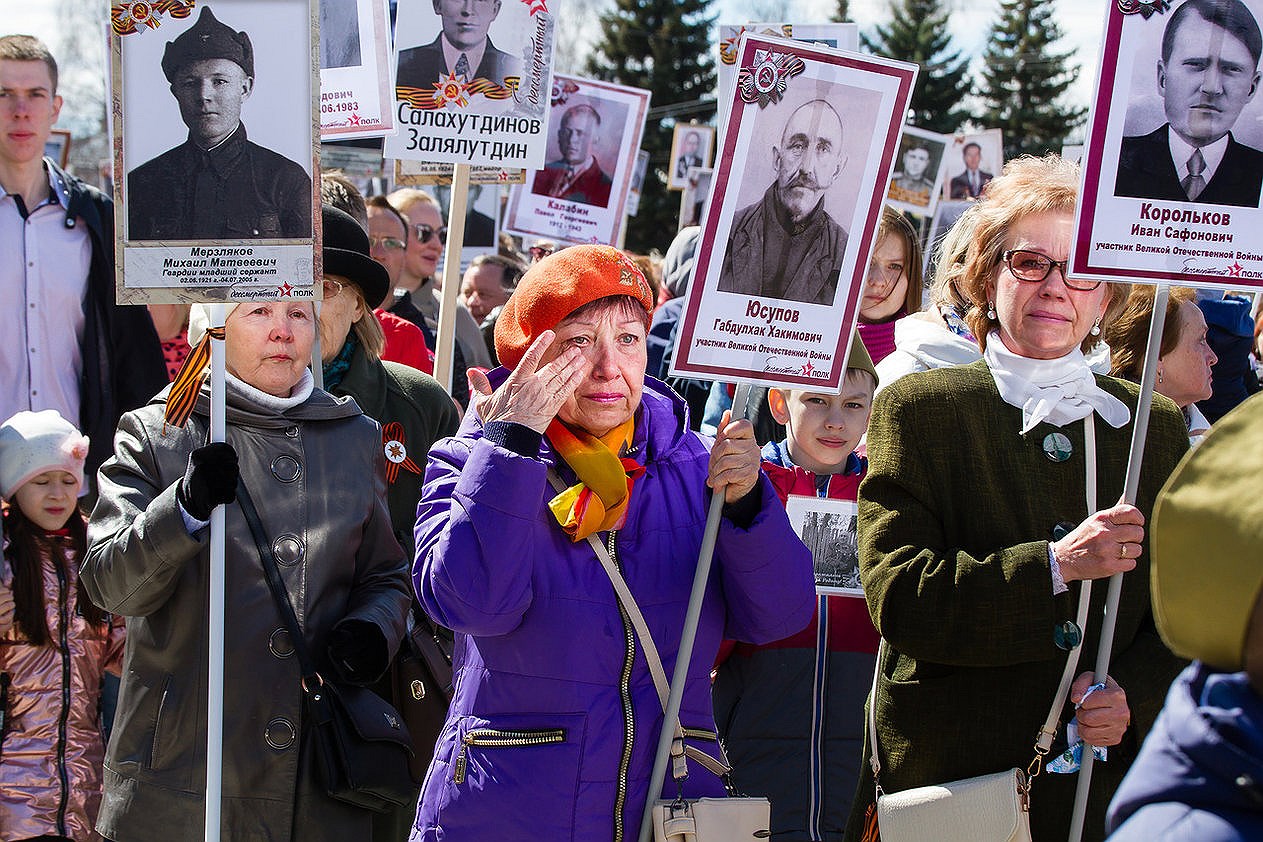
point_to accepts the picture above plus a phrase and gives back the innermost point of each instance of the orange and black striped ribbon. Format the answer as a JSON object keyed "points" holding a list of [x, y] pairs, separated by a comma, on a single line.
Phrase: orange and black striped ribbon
{"points": [[183, 395]]}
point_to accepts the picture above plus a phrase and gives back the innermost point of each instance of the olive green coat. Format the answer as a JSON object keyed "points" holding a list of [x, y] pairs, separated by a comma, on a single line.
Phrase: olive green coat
{"points": [[954, 522]]}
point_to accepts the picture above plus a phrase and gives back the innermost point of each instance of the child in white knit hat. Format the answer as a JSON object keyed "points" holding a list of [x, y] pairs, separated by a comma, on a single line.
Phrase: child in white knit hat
{"points": [[55, 645]]}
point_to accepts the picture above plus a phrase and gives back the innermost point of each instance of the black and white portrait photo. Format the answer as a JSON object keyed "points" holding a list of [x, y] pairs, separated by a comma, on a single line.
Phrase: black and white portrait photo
{"points": [[217, 139], [914, 187], [339, 34], [1205, 75], [828, 528], [691, 146], [787, 243], [463, 47], [694, 196]]}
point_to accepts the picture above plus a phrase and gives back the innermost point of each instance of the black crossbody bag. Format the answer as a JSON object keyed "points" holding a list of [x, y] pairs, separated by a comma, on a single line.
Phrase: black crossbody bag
{"points": [[359, 742]]}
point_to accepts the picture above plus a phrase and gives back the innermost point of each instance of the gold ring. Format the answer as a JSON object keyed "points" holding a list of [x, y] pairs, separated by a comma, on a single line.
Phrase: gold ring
{"points": [[1122, 551]]}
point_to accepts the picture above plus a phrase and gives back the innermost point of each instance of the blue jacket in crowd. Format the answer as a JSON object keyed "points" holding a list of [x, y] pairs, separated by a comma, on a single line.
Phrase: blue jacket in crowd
{"points": [[1199, 775]]}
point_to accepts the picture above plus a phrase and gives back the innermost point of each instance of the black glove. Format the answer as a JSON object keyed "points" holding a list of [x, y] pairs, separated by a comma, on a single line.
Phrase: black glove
{"points": [[210, 479], [358, 651]]}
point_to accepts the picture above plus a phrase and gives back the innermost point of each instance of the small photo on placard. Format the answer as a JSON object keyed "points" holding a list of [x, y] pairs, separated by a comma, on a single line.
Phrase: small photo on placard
{"points": [[972, 161], [691, 146], [829, 529]]}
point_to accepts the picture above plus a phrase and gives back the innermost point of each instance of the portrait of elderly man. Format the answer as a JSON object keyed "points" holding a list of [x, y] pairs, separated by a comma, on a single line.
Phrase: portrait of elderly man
{"points": [[690, 154], [1208, 72], [786, 245], [577, 176], [217, 184], [462, 48], [911, 184]]}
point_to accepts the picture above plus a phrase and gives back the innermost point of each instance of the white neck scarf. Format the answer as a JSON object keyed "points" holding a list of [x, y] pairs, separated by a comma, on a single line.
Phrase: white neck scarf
{"points": [[301, 392], [1057, 391]]}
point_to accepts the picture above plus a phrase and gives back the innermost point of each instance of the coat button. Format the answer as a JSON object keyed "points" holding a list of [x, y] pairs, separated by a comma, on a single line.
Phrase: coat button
{"points": [[286, 468], [280, 733], [417, 688], [279, 644], [292, 432], [288, 549]]}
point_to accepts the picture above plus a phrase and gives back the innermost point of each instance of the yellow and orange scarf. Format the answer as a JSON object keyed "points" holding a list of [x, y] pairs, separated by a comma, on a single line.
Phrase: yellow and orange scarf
{"points": [[599, 500]]}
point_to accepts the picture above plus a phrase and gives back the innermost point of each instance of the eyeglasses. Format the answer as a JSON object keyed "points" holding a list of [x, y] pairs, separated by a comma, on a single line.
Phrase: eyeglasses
{"points": [[540, 252], [332, 289], [425, 232], [389, 243], [1033, 267]]}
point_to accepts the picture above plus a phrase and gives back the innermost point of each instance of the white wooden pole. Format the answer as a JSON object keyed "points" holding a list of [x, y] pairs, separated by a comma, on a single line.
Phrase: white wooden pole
{"points": [[215, 623], [445, 342], [1131, 488]]}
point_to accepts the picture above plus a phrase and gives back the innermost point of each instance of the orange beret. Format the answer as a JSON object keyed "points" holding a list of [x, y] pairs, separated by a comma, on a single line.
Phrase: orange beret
{"points": [[557, 286]]}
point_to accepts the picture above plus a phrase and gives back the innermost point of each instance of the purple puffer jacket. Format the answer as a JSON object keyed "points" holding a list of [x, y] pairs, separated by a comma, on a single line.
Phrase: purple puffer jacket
{"points": [[542, 650]]}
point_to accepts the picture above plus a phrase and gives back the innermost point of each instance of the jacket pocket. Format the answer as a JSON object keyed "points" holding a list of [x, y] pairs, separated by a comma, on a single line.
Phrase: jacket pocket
{"points": [[514, 777], [165, 704]]}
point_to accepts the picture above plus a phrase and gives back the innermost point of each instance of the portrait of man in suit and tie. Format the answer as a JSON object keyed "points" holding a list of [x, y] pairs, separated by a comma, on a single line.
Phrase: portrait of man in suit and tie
{"points": [[786, 245], [577, 176], [463, 48], [1208, 72], [969, 184]]}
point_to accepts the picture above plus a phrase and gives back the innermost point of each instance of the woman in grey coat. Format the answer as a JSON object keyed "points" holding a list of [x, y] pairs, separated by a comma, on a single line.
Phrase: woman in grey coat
{"points": [[314, 466]]}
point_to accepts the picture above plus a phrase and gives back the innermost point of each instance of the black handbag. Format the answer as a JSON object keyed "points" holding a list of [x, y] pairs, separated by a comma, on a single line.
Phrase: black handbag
{"points": [[358, 741], [422, 686]]}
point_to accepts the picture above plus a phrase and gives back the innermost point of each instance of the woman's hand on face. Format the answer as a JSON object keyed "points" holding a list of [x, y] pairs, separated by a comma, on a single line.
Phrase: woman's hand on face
{"points": [[734, 460], [1104, 715], [533, 394], [1106, 543]]}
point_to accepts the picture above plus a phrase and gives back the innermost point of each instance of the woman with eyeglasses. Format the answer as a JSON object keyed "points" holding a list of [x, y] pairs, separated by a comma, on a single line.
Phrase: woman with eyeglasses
{"points": [[992, 494]]}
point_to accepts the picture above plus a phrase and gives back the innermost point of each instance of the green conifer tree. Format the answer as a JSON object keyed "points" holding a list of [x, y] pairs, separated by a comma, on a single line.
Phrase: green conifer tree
{"points": [[663, 46], [917, 32], [1025, 79]]}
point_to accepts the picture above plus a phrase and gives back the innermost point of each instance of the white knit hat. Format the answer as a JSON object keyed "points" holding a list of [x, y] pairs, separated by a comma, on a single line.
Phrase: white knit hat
{"points": [[199, 320], [34, 442]]}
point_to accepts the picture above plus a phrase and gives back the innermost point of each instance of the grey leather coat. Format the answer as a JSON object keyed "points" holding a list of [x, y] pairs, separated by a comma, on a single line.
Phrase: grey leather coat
{"points": [[316, 474]]}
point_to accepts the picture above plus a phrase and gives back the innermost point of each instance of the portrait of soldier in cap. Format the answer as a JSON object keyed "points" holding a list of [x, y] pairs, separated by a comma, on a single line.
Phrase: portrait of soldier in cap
{"points": [[217, 184]]}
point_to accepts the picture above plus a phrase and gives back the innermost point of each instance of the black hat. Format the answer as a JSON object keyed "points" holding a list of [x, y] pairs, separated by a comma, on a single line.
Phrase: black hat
{"points": [[207, 39], [344, 249]]}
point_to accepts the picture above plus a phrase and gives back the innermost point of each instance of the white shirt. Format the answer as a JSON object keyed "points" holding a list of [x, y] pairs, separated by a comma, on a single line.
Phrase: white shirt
{"points": [[43, 282], [1181, 152], [451, 55]]}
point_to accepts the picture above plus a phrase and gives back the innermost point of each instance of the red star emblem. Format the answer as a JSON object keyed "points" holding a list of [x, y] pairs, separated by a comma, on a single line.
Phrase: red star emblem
{"points": [[807, 368], [284, 289], [1235, 270], [536, 6], [503, 175]]}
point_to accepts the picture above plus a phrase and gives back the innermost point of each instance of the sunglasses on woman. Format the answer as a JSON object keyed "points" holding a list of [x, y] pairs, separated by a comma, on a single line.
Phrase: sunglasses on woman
{"points": [[425, 232]]}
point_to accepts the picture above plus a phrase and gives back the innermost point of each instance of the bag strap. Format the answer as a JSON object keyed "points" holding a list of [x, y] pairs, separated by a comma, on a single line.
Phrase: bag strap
{"points": [[719, 768], [311, 677], [1048, 731]]}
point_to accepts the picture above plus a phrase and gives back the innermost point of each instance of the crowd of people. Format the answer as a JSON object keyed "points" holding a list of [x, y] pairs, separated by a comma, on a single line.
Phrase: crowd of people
{"points": [[553, 500]]}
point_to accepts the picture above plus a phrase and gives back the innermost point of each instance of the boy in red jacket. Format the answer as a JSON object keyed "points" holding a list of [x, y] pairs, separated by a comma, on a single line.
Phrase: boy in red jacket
{"points": [[790, 713]]}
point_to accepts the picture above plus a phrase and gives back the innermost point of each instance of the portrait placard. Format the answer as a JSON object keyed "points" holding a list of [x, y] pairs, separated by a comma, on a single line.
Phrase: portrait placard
{"points": [[356, 74], [693, 200], [216, 140], [945, 216], [811, 139], [691, 146], [838, 36], [1173, 165], [362, 164], [972, 161], [421, 173], [471, 82], [580, 195], [637, 182], [829, 529], [57, 147], [482, 219], [922, 161]]}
